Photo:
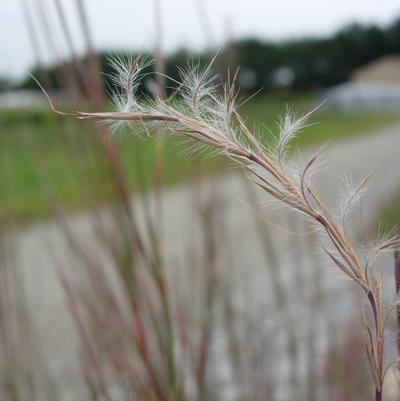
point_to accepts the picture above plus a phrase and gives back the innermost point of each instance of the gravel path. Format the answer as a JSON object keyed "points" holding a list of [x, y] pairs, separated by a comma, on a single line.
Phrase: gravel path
{"points": [[41, 247]]}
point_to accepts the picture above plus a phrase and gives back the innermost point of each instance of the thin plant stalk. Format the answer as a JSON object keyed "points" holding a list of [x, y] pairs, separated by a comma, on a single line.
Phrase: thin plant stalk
{"points": [[68, 37], [93, 61], [208, 116], [64, 73], [397, 285]]}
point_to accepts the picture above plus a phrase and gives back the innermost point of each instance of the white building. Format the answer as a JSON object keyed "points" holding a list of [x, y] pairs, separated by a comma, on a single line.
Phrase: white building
{"points": [[374, 86]]}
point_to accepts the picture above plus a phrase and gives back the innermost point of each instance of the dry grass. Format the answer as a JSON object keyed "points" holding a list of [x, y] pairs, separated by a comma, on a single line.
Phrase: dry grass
{"points": [[205, 113]]}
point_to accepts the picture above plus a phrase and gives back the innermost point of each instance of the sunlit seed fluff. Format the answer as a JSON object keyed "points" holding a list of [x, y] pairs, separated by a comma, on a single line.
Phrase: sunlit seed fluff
{"points": [[350, 196], [126, 77], [198, 89], [386, 242]]}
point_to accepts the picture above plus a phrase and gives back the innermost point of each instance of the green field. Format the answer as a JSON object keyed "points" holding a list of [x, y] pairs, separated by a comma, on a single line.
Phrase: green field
{"points": [[51, 161]]}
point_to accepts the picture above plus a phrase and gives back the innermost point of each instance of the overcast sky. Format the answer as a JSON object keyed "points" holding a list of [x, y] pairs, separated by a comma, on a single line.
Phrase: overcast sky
{"points": [[130, 23]]}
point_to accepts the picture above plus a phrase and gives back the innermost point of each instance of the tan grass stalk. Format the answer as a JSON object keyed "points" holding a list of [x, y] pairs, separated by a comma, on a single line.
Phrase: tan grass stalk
{"points": [[207, 115]]}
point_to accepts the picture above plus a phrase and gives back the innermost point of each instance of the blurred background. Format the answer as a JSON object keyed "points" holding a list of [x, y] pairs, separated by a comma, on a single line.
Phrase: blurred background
{"points": [[132, 267]]}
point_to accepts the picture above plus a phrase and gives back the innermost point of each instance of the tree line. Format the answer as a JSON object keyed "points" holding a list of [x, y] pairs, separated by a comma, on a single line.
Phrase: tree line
{"points": [[308, 63]]}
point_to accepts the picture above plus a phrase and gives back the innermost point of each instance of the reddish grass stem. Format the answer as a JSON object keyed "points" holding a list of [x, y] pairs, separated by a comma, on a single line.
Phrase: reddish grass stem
{"points": [[397, 285]]}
